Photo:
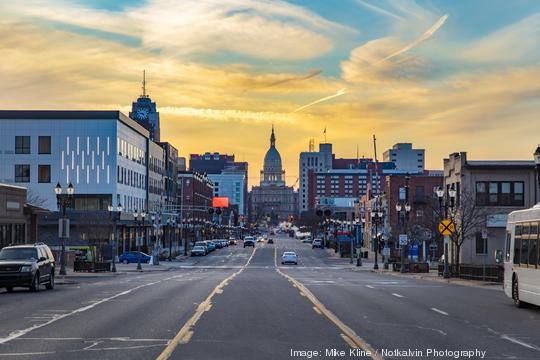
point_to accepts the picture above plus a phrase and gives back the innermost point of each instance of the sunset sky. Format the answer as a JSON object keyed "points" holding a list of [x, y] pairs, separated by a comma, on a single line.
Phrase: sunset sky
{"points": [[446, 75]]}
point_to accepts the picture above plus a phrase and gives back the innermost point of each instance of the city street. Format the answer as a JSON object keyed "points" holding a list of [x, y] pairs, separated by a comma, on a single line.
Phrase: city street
{"points": [[241, 303]]}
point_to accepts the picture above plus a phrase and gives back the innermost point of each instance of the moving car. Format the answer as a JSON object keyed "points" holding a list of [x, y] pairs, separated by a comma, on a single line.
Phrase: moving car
{"points": [[270, 241], [306, 241], [27, 266], [317, 243], [198, 251], [289, 257], [133, 257], [232, 242], [249, 242]]}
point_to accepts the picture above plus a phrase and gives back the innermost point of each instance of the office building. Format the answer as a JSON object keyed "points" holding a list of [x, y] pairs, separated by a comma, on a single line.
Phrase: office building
{"points": [[406, 158]]}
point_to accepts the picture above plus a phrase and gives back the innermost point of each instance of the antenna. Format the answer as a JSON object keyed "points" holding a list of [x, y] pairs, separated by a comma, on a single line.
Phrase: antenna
{"points": [[324, 134], [357, 158], [144, 84], [377, 181], [311, 145]]}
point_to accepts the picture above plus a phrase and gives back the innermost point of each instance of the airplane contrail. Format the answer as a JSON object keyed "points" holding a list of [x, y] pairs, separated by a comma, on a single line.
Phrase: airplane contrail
{"points": [[311, 74], [338, 93], [429, 33]]}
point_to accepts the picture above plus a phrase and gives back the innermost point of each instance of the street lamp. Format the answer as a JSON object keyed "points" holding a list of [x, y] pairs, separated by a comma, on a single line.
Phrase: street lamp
{"points": [[325, 215], [115, 215], [446, 202], [403, 211], [377, 216], [537, 162], [64, 201], [139, 223]]}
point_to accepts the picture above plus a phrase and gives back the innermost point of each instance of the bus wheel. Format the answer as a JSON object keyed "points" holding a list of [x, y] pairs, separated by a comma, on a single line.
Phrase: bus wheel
{"points": [[515, 294]]}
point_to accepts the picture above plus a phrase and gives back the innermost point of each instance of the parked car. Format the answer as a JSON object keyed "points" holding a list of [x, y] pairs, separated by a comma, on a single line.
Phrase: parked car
{"points": [[317, 243], [27, 266], [289, 257], [204, 245], [211, 246], [198, 251], [249, 242], [306, 241], [217, 243], [225, 242], [133, 257]]}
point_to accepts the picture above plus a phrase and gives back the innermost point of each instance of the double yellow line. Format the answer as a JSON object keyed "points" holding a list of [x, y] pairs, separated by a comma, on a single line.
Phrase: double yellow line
{"points": [[347, 334]]}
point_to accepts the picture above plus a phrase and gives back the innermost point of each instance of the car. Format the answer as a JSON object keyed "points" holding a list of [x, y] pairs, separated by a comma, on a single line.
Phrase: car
{"points": [[317, 243], [260, 239], [217, 243], [204, 245], [232, 242], [224, 242], [249, 242], [133, 257], [198, 251], [211, 246], [270, 241], [289, 257], [27, 266], [306, 241]]}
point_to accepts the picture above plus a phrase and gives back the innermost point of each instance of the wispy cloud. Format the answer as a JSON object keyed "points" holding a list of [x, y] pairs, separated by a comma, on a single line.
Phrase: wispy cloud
{"points": [[310, 75], [380, 10]]}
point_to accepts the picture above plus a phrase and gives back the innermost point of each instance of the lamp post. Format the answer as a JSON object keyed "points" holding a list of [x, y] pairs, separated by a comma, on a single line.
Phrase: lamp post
{"points": [[115, 215], [169, 236], [537, 162], [139, 223], [446, 200], [377, 216], [403, 211], [63, 202], [325, 215]]}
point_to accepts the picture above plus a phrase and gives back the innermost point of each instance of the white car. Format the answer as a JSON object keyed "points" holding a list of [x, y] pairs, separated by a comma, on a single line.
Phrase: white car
{"points": [[289, 257]]}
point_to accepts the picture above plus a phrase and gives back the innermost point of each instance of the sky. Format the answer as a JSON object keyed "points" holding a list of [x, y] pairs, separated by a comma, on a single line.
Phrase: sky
{"points": [[448, 76]]}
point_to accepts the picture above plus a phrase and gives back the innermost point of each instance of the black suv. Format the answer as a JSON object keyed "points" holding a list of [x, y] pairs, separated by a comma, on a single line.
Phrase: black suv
{"points": [[27, 266]]}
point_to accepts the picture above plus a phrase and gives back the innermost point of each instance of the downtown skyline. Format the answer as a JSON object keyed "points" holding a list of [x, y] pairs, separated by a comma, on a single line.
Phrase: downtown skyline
{"points": [[447, 76]]}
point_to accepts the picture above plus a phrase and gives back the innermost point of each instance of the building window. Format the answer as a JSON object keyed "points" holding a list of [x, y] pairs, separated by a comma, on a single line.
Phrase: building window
{"points": [[480, 244], [402, 193], [22, 144], [419, 193], [44, 173], [501, 193], [22, 173], [44, 145]]}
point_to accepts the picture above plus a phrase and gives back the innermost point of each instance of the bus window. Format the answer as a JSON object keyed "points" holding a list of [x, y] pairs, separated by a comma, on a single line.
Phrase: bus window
{"points": [[534, 231], [518, 230], [533, 252], [517, 251], [524, 251], [525, 230], [508, 239]]}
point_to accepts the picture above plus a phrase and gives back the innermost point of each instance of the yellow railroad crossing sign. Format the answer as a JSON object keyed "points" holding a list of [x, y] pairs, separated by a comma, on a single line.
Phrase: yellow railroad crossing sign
{"points": [[447, 227]]}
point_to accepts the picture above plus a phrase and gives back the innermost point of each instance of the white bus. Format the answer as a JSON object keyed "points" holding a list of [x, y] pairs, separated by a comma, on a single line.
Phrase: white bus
{"points": [[521, 261]]}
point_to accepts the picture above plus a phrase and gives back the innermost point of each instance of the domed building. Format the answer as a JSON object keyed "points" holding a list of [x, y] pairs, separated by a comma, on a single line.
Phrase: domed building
{"points": [[273, 201]]}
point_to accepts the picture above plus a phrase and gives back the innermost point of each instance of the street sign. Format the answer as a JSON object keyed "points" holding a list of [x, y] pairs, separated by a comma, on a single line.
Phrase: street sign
{"points": [[403, 239], [447, 227], [386, 251]]}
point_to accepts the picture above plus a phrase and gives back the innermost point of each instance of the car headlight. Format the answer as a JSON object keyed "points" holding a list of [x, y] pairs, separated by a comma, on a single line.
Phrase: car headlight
{"points": [[26, 268]]}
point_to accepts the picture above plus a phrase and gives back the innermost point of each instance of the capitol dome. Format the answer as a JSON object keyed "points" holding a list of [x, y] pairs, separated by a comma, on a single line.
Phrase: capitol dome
{"points": [[272, 172]]}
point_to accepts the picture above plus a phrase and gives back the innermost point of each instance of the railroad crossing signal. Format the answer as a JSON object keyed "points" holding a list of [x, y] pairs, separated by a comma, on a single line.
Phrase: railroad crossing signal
{"points": [[447, 227]]}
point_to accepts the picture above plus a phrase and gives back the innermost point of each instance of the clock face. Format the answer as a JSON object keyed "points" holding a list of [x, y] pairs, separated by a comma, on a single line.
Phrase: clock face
{"points": [[142, 113]]}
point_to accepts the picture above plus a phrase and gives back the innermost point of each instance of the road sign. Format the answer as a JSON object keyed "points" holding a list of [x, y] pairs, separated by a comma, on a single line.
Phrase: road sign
{"points": [[386, 251], [403, 239], [447, 227]]}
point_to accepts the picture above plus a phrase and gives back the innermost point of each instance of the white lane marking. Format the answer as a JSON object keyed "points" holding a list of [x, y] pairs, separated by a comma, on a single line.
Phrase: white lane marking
{"points": [[519, 342], [440, 311], [18, 333], [369, 286], [397, 295]]}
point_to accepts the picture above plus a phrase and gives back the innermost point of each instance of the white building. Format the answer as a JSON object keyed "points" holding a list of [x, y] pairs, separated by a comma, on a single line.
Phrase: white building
{"points": [[231, 184], [317, 161], [406, 158], [102, 153]]}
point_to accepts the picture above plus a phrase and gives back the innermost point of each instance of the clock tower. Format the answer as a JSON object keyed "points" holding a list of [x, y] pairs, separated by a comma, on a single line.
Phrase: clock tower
{"points": [[144, 112]]}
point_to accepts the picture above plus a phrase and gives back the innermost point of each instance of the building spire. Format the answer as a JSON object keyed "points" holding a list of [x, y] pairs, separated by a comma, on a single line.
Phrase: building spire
{"points": [[144, 84], [273, 138]]}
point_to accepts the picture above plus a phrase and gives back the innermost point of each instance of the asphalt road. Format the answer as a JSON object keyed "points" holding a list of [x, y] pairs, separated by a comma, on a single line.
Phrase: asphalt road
{"points": [[243, 304]]}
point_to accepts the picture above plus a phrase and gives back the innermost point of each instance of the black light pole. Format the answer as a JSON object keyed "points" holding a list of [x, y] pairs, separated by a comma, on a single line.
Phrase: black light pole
{"points": [[537, 162], [115, 214], [446, 201], [403, 211], [169, 236], [139, 223], [63, 202]]}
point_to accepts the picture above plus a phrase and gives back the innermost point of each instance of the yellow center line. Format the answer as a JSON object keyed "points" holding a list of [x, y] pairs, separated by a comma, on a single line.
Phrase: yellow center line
{"points": [[348, 335], [186, 332]]}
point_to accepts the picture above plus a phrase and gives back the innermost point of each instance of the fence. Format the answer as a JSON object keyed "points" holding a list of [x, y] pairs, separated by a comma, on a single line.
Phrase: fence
{"points": [[494, 273]]}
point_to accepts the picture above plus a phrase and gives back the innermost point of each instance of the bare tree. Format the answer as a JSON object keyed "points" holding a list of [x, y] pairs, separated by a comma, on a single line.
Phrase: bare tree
{"points": [[469, 218], [34, 198]]}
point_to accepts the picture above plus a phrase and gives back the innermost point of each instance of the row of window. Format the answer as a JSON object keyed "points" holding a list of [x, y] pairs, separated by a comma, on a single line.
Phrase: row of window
{"points": [[131, 178], [12, 234], [22, 173], [23, 145], [500, 193], [525, 245], [130, 151]]}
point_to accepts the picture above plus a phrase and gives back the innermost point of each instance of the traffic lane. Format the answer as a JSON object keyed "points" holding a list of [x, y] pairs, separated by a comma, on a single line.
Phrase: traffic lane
{"points": [[134, 326], [233, 255], [259, 315], [386, 318], [22, 309], [307, 256]]}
